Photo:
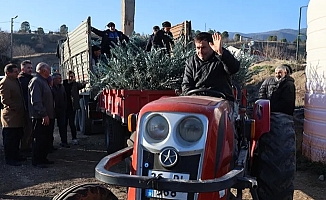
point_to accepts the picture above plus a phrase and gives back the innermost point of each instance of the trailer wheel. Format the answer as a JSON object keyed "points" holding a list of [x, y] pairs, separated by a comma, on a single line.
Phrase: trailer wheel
{"points": [[115, 135], [86, 191], [276, 159], [85, 124]]}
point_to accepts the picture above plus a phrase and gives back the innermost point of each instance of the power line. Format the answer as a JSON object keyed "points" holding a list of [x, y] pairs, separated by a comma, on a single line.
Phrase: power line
{"points": [[16, 22]]}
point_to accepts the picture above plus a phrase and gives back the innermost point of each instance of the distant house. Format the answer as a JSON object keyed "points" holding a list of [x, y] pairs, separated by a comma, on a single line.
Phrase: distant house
{"points": [[244, 38], [235, 51]]}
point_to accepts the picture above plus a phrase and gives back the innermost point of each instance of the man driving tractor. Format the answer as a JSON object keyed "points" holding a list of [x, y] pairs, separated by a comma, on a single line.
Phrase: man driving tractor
{"points": [[211, 67]]}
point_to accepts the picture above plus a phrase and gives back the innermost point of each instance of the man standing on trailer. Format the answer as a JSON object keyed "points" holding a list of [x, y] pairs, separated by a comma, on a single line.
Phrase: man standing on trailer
{"points": [[110, 38]]}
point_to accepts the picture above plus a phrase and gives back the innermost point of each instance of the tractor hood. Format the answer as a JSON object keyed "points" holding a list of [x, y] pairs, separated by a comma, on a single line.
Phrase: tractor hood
{"points": [[199, 100], [193, 104]]}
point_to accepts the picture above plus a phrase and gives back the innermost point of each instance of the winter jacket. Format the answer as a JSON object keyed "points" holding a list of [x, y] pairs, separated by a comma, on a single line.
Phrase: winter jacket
{"points": [[13, 114], [280, 93], [24, 80], [149, 43], [72, 92], [40, 98], [163, 39], [109, 39], [214, 73], [60, 98]]}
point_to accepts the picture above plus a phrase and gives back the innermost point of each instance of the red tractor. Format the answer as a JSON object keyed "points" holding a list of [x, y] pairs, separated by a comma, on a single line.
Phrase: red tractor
{"points": [[190, 148]]}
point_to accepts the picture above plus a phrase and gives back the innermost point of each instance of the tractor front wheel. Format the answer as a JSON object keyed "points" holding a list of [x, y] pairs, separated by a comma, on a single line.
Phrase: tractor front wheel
{"points": [[276, 160], [88, 191]]}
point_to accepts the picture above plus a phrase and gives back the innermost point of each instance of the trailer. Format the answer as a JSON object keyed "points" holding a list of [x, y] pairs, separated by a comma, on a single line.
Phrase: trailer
{"points": [[75, 55], [117, 105], [108, 113]]}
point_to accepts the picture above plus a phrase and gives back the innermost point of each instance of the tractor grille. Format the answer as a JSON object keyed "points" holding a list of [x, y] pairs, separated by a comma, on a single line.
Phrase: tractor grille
{"points": [[186, 165]]}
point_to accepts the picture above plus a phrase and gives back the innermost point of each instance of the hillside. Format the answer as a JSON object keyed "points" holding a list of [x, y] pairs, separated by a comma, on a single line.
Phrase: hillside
{"points": [[40, 43], [48, 43], [289, 34]]}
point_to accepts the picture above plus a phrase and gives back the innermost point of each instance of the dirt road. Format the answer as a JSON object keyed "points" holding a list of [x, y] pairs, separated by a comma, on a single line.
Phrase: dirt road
{"points": [[75, 165]]}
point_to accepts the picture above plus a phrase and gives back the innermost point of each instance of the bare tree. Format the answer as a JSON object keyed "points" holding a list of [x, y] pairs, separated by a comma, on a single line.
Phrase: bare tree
{"points": [[22, 50], [277, 51], [4, 42]]}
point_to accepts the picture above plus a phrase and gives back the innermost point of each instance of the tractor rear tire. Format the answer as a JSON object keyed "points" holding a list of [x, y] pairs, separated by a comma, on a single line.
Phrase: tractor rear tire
{"points": [[277, 159], [88, 191]]}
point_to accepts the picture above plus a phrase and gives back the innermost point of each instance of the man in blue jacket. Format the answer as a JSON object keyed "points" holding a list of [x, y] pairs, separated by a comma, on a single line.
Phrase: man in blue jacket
{"points": [[110, 38]]}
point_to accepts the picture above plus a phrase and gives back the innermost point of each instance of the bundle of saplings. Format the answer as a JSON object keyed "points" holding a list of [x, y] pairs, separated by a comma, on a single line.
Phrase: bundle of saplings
{"points": [[131, 67]]}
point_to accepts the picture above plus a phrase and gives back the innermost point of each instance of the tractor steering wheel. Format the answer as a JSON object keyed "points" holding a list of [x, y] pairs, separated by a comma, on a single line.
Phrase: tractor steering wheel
{"points": [[208, 90]]}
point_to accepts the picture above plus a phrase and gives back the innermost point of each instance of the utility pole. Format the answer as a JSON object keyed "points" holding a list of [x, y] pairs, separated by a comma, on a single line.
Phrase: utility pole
{"points": [[299, 34], [128, 16], [11, 31]]}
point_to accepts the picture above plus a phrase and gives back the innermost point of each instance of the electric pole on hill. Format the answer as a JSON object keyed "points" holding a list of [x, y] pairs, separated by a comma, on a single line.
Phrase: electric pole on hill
{"points": [[128, 16]]}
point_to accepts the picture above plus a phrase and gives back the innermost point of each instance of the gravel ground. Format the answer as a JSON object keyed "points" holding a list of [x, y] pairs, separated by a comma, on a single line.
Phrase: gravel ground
{"points": [[76, 165]]}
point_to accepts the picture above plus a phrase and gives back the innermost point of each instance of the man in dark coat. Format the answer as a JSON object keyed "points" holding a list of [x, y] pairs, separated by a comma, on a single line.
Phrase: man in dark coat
{"points": [[60, 106], [110, 38], [280, 90], [157, 43], [211, 67], [164, 36], [24, 78], [41, 110], [72, 91], [12, 115]]}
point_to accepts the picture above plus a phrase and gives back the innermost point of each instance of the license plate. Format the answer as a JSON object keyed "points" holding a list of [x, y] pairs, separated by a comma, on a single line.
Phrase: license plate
{"points": [[167, 194]]}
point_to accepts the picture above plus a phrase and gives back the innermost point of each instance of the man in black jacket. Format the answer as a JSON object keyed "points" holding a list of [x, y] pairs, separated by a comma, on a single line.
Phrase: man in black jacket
{"points": [[157, 43], [280, 90], [24, 77], [110, 38], [60, 106], [72, 91], [211, 67], [164, 37]]}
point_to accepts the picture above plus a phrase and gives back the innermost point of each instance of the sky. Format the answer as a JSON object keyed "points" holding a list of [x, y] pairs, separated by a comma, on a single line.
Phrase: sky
{"points": [[250, 16]]}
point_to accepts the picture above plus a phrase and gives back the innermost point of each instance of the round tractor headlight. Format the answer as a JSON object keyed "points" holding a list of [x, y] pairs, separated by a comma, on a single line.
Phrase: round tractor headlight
{"points": [[191, 129], [157, 127]]}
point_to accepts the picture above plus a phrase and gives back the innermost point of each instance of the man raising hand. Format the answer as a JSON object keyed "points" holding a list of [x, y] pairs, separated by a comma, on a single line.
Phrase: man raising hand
{"points": [[211, 67]]}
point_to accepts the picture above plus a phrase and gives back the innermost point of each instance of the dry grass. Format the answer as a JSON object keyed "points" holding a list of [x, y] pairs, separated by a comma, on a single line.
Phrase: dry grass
{"points": [[300, 81]]}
